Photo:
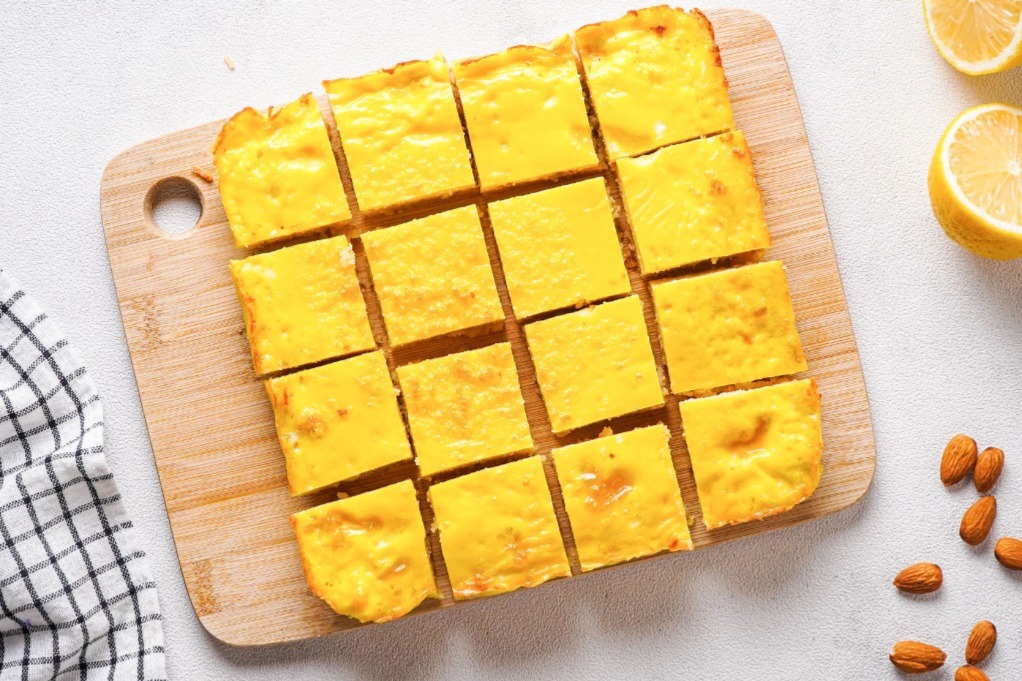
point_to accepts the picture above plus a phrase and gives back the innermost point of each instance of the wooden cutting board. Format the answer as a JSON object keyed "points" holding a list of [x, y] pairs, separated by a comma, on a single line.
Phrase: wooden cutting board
{"points": [[211, 426]]}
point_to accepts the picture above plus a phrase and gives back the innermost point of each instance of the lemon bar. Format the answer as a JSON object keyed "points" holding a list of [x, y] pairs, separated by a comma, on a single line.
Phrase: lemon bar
{"points": [[559, 248], [594, 364], [525, 114], [401, 134], [337, 421], [693, 202], [277, 175], [755, 453], [622, 497], [728, 327], [366, 555], [655, 78], [302, 304], [498, 531], [465, 408], [433, 276]]}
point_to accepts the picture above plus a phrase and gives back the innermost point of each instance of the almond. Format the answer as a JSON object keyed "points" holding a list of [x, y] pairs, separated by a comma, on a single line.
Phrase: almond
{"points": [[1008, 552], [978, 520], [970, 673], [981, 642], [921, 578], [959, 458], [988, 469], [915, 658]]}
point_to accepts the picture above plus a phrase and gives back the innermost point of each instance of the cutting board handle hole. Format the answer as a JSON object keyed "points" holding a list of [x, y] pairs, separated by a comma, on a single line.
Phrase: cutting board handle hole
{"points": [[174, 207]]}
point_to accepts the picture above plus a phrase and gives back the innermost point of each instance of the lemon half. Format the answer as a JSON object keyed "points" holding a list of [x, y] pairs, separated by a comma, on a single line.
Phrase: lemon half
{"points": [[976, 36], [976, 181]]}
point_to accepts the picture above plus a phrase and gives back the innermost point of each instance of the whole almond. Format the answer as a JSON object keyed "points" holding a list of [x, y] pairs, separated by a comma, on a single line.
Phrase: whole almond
{"points": [[981, 642], [970, 673], [959, 458], [1008, 552], [988, 469], [978, 520], [921, 578], [914, 657]]}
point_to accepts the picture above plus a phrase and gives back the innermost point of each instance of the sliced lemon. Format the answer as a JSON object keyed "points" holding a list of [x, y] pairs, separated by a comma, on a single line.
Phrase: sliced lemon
{"points": [[976, 36], [976, 181]]}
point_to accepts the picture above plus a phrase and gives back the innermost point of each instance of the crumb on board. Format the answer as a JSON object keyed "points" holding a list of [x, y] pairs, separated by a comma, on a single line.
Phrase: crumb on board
{"points": [[229, 61], [202, 174]]}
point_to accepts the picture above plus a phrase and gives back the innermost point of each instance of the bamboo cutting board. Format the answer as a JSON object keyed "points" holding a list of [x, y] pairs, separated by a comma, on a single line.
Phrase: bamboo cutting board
{"points": [[211, 426]]}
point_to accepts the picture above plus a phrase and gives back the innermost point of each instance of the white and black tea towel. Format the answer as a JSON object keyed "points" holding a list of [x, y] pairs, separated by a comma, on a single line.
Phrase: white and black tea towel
{"points": [[77, 599]]}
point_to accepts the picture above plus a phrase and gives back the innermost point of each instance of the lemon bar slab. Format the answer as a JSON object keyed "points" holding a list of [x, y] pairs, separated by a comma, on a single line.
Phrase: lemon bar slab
{"points": [[559, 248], [401, 134], [655, 78], [366, 555], [594, 364], [525, 114], [498, 531], [433, 276], [693, 202], [277, 175], [728, 327], [755, 453], [465, 408], [337, 421], [302, 304], [622, 497]]}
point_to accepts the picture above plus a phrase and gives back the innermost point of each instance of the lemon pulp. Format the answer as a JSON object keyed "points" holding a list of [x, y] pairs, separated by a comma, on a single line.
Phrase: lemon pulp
{"points": [[976, 36], [986, 162], [976, 181]]}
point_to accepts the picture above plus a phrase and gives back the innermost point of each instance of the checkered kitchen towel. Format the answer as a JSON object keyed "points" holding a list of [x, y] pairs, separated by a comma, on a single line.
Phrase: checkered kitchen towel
{"points": [[77, 599]]}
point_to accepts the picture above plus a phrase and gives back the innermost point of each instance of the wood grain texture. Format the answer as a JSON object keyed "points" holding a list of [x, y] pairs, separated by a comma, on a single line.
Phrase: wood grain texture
{"points": [[211, 426]]}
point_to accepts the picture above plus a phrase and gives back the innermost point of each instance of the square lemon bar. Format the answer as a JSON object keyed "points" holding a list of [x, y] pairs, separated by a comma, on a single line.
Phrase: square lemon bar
{"points": [[559, 248], [525, 114], [594, 364], [465, 408], [366, 555], [755, 453], [498, 531], [655, 78], [693, 202], [277, 175], [622, 497], [401, 134], [433, 276], [337, 421], [728, 327], [302, 304]]}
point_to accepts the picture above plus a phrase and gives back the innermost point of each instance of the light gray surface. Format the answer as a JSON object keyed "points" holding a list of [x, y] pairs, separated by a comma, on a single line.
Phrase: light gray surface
{"points": [[940, 332]]}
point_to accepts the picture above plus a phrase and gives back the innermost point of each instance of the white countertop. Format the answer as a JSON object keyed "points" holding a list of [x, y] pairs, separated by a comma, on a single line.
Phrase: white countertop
{"points": [[940, 332]]}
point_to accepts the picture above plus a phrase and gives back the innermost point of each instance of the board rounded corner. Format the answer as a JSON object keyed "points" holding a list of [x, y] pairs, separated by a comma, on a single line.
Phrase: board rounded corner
{"points": [[866, 480]]}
